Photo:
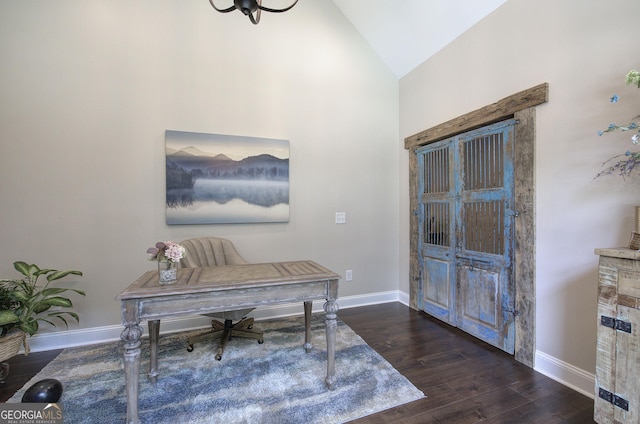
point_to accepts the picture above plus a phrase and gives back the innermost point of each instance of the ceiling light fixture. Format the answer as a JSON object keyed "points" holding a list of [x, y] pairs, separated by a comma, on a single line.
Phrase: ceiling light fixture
{"points": [[249, 7]]}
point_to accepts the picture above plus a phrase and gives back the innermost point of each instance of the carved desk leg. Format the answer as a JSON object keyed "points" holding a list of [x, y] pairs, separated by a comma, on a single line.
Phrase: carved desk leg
{"points": [[154, 331], [307, 326], [131, 338], [331, 309]]}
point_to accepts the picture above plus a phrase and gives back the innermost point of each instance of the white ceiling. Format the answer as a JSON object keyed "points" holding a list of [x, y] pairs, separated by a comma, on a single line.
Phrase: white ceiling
{"points": [[405, 33]]}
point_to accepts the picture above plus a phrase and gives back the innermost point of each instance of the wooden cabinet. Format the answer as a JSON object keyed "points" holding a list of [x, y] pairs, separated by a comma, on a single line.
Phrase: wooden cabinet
{"points": [[617, 388]]}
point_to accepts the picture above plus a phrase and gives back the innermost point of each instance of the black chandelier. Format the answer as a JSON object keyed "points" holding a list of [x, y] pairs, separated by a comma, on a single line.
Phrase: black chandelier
{"points": [[249, 7]]}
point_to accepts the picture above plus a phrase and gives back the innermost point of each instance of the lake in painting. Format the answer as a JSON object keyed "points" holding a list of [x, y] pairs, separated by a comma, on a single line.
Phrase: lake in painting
{"points": [[221, 179]]}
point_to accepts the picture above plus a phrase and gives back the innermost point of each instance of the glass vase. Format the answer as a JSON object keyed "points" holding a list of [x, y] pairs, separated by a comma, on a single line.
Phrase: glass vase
{"points": [[167, 272]]}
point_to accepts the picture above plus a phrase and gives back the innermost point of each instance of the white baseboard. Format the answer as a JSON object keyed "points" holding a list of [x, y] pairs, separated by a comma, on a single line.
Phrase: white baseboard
{"points": [[565, 373], [71, 338]]}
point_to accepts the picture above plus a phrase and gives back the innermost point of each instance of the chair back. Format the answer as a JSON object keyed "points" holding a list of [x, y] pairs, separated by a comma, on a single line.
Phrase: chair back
{"points": [[210, 251]]}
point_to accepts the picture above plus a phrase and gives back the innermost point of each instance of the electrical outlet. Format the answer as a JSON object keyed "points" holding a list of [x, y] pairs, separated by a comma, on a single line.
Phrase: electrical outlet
{"points": [[341, 218], [348, 275]]}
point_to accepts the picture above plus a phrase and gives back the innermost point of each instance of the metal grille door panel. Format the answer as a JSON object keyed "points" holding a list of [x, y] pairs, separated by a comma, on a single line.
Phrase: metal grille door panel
{"points": [[466, 190]]}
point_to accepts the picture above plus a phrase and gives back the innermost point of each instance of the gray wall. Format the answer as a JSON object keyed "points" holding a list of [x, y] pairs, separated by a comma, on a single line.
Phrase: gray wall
{"points": [[583, 49], [88, 89]]}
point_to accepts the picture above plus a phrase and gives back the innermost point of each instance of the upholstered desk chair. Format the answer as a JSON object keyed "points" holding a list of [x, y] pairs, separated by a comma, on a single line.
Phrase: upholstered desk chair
{"points": [[214, 251]]}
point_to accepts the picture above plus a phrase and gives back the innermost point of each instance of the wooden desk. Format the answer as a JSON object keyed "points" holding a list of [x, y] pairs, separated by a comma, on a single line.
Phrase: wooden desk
{"points": [[204, 290]]}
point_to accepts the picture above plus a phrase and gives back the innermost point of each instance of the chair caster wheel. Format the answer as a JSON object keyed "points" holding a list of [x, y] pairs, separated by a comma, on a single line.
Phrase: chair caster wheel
{"points": [[218, 357], [260, 341], [190, 348]]}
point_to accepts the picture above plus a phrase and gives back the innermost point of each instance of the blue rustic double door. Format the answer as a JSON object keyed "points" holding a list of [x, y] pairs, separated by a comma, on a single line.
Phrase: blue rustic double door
{"points": [[465, 215]]}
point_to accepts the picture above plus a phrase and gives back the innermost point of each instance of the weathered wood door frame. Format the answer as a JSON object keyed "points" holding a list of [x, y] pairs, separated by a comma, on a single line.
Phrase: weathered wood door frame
{"points": [[520, 106]]}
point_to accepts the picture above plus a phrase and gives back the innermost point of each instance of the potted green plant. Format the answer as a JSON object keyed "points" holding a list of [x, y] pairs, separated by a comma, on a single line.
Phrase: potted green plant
{"points": [[24, 303]]}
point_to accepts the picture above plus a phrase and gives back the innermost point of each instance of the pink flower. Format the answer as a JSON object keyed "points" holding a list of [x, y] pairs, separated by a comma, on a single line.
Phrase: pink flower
{"points": [[174, 252], [166, 251]]}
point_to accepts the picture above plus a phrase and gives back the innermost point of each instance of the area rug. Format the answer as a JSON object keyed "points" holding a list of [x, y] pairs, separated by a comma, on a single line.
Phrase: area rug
{"points": [[274, 382]]}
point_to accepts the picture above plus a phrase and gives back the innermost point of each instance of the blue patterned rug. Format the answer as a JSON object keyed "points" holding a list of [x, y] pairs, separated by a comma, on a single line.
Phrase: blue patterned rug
{"points": [[275, 382]]}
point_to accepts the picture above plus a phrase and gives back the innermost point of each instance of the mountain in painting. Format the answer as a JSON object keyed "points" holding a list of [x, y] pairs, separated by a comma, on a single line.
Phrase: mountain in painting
{"points": [[205, 165], [191, 158]]}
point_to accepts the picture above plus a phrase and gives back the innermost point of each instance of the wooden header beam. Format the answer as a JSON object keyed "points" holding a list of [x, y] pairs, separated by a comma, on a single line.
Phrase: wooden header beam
{"points": [[500, 110]]}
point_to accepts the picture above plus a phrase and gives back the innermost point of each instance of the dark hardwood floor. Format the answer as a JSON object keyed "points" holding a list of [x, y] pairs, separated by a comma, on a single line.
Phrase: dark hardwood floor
{"points": [[22, 369], [465, 380]]}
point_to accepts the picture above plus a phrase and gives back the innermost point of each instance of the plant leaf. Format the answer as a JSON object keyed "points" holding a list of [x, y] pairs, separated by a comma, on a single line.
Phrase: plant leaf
{"points": [[30, 327], [60, 274], [57, 290], [40, 272], [63, 320], [59, 301], [19, 295], [41, 307], [8, 317], [52, 290], [22, 267], [74, 315]]}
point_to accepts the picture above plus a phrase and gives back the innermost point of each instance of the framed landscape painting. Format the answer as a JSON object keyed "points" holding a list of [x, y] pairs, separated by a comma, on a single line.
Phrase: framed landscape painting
{"points": [[225, 179]]}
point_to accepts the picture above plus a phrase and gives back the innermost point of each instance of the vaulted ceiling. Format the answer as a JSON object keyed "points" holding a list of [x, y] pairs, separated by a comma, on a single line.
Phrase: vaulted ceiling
{"points": [[405, 33]]}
